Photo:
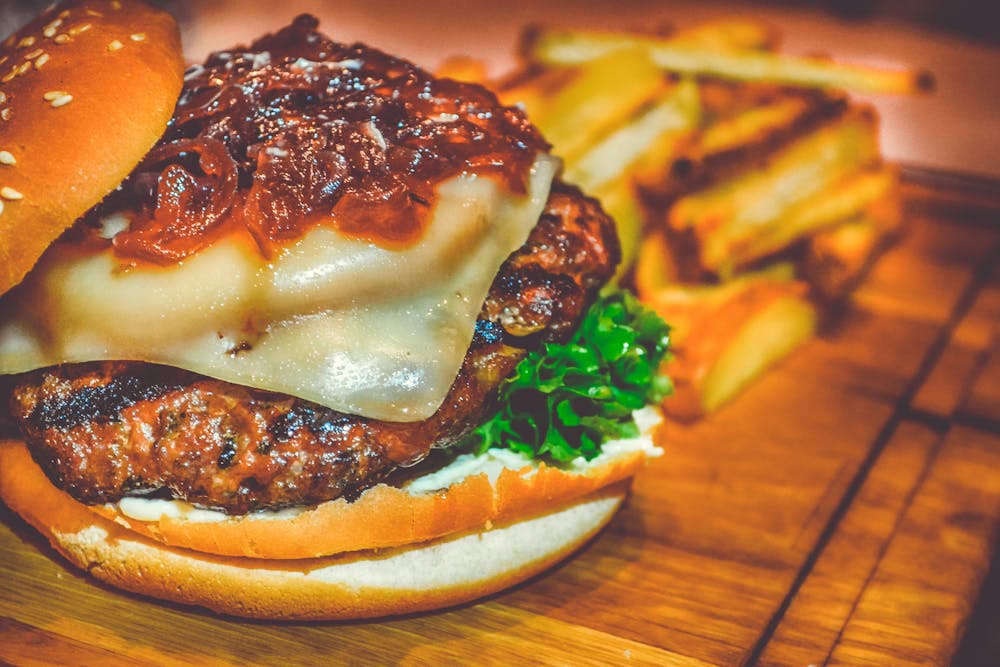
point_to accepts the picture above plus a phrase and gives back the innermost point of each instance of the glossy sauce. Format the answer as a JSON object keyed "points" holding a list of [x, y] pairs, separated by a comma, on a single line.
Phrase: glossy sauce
{"points": [[299, 131]]}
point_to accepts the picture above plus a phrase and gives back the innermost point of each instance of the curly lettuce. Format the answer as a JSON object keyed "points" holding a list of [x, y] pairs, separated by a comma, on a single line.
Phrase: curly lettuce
{"points": [[564, 400]]}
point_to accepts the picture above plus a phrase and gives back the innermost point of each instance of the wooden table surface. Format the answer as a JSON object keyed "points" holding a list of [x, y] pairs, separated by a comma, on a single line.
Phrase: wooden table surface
{"points": [[843, 511]]}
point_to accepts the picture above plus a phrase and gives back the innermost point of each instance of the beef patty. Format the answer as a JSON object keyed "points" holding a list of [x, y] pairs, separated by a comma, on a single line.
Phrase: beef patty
{"points": [[105, 430]]}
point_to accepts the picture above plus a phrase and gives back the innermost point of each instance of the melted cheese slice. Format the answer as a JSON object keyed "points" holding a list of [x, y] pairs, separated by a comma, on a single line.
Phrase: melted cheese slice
{"points": [[345, 323]]}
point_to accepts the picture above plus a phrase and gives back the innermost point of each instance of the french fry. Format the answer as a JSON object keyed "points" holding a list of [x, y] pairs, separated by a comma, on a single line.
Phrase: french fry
{"points": [[729, 215], [642, 144], [534, 89], [765, 337], [573, 47], [729, 145], [753, 125], [621, 202], [601, 97], [463, 68], [655, 266], [722, 99], [694, 307], [727, 34], [725, 336], [835, 260], [660, 153], [842, 200]]}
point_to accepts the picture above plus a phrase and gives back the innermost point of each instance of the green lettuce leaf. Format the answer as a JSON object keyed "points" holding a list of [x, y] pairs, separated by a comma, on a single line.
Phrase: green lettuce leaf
{"points": [[565, 400]]}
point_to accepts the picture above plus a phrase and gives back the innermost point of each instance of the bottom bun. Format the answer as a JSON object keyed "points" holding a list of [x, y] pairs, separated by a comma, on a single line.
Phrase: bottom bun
{"points": [[420, 577]]}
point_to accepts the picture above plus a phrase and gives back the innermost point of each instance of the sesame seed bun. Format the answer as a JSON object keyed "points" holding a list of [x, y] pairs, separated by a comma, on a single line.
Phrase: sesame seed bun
{"points": [[87, 88], [428, 574], [93, 100]]}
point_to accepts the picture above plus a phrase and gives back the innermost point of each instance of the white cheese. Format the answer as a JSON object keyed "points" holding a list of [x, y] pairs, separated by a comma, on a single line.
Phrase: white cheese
{"points": [[348, 324]]}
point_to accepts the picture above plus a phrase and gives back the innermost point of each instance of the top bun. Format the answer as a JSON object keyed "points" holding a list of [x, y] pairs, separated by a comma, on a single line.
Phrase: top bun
{"points": [[86, 89]]}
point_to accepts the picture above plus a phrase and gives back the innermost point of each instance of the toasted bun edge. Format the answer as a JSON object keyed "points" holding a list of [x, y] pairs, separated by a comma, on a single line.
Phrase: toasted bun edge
{"points": [[418, 577]]}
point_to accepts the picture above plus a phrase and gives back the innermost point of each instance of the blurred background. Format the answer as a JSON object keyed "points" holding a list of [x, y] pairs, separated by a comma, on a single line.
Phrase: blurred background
{"points": [[959, 40], [977, 20]]}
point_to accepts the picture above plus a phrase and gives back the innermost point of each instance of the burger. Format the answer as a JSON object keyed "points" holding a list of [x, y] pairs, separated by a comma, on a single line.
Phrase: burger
{"points": [[302, 332]]}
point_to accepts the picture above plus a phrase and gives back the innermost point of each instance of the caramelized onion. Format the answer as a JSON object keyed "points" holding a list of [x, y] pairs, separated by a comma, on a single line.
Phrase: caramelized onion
{"points": [[296, 131], [190, 202]]}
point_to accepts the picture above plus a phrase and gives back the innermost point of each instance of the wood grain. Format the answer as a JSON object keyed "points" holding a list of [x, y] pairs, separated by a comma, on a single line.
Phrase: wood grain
{"points": [[842, 511], [982, 403], [814, 621], [912, 610]]}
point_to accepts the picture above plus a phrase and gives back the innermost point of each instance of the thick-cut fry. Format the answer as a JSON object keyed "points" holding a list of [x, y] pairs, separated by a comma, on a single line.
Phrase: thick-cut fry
{"points": [[655, 268], [730, 145], [727, 34], [843, 200], [534, 89], [836, 259], [723, 99], [660, 154], [647, 138], [751, 125], [728, 216], [602, 96], [621, 202], [726, 335], [768, 335], [573, 47], [463, 68], [694, 306], [741, 140]]}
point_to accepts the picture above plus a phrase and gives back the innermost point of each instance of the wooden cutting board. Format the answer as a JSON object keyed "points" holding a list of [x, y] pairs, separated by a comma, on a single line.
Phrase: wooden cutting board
{"points": [[842, 511]]}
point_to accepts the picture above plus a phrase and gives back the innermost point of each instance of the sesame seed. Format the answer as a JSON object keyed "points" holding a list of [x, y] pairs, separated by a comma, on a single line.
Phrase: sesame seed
{"points": [[26, 41], [138, 37], [6, 113], [3, 97], [8, 192], [42, 59], [61, 101], [62, 38], [9, 76], [53, 94], [22, 68], [193, 71], [1, 208], [50, 29], [64, 14], [31, 55], [94, 12], [115, 4], [76, 30], [6, 157], [114, 45]]}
